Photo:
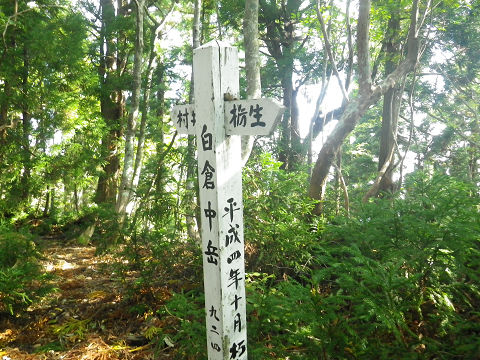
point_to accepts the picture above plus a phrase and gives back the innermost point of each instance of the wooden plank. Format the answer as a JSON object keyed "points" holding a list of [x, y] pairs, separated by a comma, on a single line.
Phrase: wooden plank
{"points": [[184, 119], [252, 117], [215, 69]]}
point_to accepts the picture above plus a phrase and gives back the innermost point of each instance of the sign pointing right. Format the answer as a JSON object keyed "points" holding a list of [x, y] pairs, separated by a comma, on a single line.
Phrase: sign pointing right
{"points": [[252, 117]]}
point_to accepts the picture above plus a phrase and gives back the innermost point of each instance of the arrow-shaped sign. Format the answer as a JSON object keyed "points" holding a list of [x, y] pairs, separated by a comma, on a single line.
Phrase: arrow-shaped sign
{"points": [[252, 117], [242, 117]]}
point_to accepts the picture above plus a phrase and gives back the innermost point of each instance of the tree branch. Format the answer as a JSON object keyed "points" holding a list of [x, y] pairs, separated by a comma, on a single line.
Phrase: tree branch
{"points": [[344, 187], [350, 46], [12, 124], [328, 48]]}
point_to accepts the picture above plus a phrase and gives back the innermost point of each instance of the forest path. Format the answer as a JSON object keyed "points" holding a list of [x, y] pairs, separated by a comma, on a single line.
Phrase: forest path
{"points": [[89, 316]]}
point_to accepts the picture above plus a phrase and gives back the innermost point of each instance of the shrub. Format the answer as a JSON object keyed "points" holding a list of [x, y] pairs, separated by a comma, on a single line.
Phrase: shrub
{"points": [[21, 277], [401, 277], [278, 236], [187, 311]]}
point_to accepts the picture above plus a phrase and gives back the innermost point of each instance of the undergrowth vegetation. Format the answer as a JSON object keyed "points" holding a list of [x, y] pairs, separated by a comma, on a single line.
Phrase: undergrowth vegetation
{"points": [[397, 278], [22, 280]]}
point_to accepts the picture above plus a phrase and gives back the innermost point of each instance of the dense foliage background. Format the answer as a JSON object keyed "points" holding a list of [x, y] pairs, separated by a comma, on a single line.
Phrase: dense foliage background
{"points": [[362, 226]]}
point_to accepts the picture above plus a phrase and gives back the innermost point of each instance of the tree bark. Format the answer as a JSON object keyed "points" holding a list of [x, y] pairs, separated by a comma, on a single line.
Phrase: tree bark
{"points": [[296, 149], [280, 40], [391, 109], [252, 65], [4, 112], [252, 54], [192, 219], [128, 163], [112, 104], [26, 127], [285, 133]]}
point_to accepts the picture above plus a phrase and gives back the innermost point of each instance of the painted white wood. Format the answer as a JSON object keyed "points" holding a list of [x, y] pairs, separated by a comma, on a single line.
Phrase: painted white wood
{"points": [[252, 117], [184, 119], [241, 117], [218, 125], [215, 68]]}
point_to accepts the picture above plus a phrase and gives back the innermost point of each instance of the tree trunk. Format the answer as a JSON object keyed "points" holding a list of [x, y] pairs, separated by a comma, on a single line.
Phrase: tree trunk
{"points": [[47, 203], [280, 39], [192, 219], [296, 149], [4, 112], [107, 181], [252, 65], [128, 163], [391, 109], [252, 54], [354, 111], [367, 95], [75, 197], [285, 133], [26, 127], [145, 112], [112, 105]]}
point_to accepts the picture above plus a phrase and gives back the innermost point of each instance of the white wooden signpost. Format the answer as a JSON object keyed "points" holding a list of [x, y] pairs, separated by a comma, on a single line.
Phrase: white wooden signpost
{"points": [[217, 124]]}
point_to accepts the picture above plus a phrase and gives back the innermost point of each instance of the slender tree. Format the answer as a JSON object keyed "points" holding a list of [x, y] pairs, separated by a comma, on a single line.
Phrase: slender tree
{"points": [[128, 162], [368, 93], [252, 64], [192, 217]]}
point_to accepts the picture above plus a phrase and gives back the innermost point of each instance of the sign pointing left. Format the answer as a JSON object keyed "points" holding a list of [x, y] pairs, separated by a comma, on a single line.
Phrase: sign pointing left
{"points": [[183, 117]]}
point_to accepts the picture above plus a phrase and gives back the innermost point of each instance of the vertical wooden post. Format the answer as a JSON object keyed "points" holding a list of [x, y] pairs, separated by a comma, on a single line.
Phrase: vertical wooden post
{"points": [[215, 68], [217, 123]]}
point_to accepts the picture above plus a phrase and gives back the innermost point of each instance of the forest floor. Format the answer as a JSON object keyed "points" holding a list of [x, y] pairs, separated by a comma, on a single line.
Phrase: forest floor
{"points": [[88, 317]]}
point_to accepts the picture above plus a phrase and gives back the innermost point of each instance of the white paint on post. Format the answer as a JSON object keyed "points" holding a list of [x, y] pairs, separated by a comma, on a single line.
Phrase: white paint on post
{"points": [[242, 117], [184, 118], [218, 125], [252, 117], [215, 69]]}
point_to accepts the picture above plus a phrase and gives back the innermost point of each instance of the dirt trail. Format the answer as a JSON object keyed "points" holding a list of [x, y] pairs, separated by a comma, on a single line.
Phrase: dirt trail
{"points": [[87, 318]]}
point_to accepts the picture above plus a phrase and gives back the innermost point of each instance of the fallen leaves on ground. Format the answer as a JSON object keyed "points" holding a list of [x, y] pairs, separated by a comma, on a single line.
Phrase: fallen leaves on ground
{"points": [[87, 318]]}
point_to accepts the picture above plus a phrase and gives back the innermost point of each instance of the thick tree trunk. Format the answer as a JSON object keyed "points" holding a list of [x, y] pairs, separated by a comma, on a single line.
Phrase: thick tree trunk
{"points": [[354, 111], [107, 181], [112, 105], [391, 109]]}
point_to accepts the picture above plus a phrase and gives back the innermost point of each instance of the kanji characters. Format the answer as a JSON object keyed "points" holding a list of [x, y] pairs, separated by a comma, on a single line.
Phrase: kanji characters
{"points": [[207, 139], [237, 350], [256, 112], [233, 237], [210, 214], [235, 277], [212, 255], [208, 171], [230, 209], [239, 116]]}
